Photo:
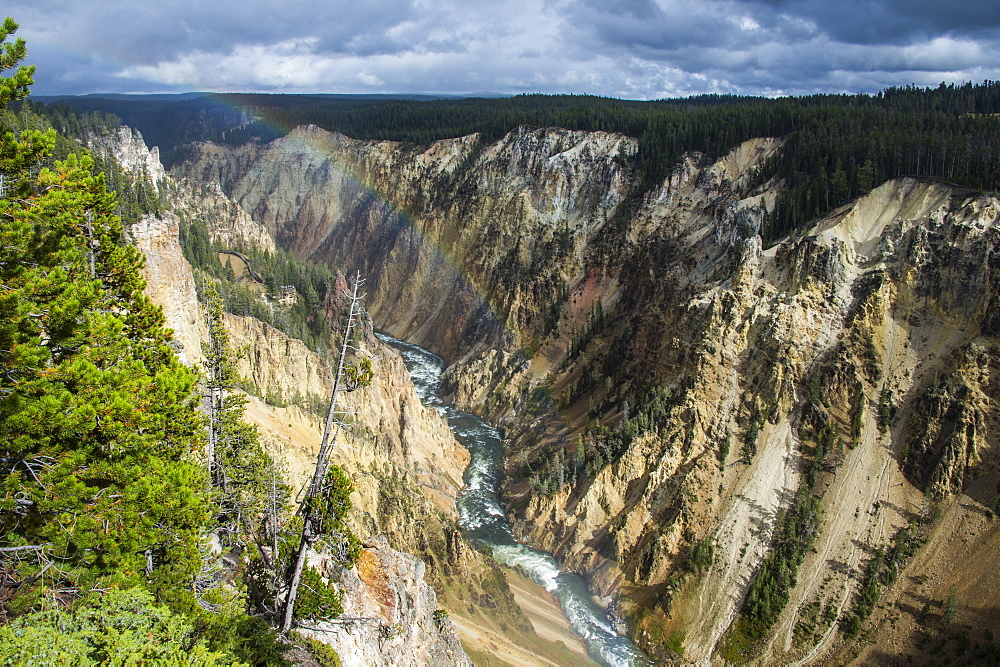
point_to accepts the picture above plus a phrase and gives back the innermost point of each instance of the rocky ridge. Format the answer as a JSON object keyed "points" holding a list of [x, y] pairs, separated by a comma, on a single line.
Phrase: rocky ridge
{"points": [[128, 149]]}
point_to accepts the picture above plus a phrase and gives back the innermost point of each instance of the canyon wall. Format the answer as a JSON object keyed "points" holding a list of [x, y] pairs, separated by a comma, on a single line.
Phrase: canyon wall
{"points": [[414, 220], [671, 390], [405, 464], [393, 435]]}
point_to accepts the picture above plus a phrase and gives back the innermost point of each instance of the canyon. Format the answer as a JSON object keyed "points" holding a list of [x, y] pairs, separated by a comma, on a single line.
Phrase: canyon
{"points": [[405, 463], [670, 389]]}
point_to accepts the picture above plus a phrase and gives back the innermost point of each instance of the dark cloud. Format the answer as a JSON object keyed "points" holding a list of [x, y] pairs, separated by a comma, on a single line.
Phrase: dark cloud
{"points": [[631, 48], [893, 21], [645, 25]]}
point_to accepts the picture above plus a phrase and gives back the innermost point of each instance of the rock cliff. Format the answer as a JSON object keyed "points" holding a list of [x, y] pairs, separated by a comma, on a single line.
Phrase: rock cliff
{"points": [[391, 615], [128, 149], [402, 216], [672, 390], [394, 434], [170, 283], [405, 464]]}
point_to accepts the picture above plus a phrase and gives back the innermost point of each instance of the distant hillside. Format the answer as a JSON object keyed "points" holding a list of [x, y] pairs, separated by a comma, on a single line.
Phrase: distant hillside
{"points": [[836, 148]]}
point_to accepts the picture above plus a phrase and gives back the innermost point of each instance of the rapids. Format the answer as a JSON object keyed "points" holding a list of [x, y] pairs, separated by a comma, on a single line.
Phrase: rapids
{"points": [[481, 516]]}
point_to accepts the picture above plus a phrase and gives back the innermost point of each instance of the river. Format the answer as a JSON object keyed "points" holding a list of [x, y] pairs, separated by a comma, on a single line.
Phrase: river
{"points": [[481, 516]]}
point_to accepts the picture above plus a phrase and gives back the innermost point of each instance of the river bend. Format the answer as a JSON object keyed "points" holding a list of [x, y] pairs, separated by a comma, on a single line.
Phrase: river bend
{"points": [[481, 516]]}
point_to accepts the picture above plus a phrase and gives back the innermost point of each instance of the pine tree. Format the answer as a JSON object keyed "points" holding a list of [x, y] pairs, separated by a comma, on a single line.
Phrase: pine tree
{"points": [[14, 87], [239, 469], [98, 419]]}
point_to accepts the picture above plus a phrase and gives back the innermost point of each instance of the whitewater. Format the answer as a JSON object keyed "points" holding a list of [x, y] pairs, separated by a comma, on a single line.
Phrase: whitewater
{"points": [[481, 516]]}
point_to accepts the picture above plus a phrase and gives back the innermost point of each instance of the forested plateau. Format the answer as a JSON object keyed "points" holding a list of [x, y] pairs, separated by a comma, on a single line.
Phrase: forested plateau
{"points": [[743, 351]]}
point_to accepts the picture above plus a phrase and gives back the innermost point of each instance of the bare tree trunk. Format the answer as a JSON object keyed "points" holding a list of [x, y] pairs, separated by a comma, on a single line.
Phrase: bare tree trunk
{"points": [[274, 518], [322, 460], [212, 388]]}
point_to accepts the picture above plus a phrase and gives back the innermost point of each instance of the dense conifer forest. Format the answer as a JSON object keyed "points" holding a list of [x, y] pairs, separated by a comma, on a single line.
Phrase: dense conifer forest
{"points": [[73, 130], [124, 475], [837, 147], [304, 317]]}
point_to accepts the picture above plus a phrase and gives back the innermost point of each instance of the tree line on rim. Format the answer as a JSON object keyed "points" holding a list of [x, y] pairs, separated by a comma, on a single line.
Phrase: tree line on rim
{"points": [[836, 147]]}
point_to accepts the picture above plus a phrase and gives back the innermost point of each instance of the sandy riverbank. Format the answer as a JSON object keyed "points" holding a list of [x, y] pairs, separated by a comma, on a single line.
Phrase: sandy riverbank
{"points": [[553, 642]]}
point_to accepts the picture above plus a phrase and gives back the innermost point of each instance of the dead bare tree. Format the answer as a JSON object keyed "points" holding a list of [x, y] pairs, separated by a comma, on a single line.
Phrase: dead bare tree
{"points": [[347, 379]]}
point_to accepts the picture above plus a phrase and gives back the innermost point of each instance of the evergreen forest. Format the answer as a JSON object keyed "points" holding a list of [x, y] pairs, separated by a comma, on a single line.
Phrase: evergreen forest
{"points": [[255, 294], [836, 147], [126, 477]]}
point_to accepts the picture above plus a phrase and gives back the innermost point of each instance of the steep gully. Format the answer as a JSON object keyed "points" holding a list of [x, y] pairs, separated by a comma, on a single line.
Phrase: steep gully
{"points": [[484, 520]]}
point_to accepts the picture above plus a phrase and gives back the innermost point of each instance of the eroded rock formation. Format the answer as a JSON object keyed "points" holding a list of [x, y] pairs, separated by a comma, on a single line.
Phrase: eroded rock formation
{"points": [[391, 615], [665, 380], [405, 464]]}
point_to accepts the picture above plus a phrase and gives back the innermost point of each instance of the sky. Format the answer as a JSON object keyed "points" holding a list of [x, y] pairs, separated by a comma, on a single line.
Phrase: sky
{"points": [[633, 49]]}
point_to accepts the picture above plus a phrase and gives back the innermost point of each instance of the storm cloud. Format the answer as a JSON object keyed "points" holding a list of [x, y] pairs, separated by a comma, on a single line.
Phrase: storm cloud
{"points": [[639, 49]]}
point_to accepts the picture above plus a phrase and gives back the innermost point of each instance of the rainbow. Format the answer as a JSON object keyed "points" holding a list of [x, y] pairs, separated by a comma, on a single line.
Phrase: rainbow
{"points": [[312, 144]]}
